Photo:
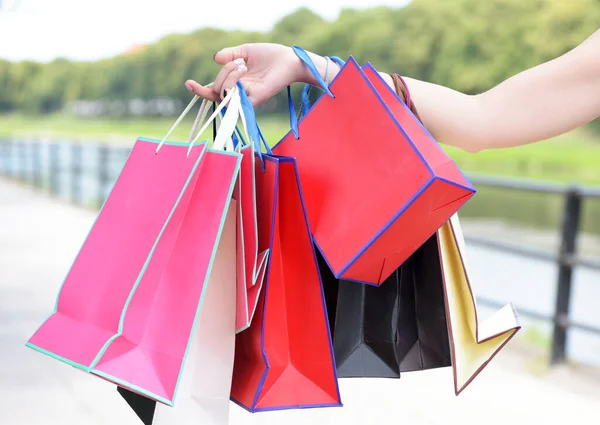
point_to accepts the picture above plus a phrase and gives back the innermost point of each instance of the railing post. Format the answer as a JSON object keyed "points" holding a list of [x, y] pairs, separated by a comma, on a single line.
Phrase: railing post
{"points": [[11, 171], [75, 177], [5, 158], [23, 161], [103, 153], [568, 248], [54, 167], [36, 164]]}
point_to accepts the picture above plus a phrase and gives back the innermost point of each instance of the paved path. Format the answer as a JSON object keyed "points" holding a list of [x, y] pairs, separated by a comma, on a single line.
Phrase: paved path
{"points": [[39, 238]]}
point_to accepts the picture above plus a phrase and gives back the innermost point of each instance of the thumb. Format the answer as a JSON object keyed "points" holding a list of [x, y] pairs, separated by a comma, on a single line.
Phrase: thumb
{"points": [[229, 54]]}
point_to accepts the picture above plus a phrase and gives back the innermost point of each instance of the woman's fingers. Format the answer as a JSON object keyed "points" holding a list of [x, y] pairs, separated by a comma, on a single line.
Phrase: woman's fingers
{"points": [[229, 54], [233, 70], [229, 75], [232, 79], [202, 91]]}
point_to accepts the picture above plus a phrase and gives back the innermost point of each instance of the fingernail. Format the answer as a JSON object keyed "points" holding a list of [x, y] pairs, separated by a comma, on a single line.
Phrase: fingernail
{"points": [[240, 68], [215, 55], [239, 61], [188, 86]]}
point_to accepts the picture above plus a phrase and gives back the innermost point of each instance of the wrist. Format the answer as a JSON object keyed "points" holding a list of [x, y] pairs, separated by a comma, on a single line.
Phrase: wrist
{"points": [[302, 74]]}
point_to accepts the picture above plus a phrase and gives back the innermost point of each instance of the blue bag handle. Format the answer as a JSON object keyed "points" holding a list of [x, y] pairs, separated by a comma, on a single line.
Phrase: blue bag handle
{"points": [[306, 90], [238, 138], [303, 56], [252, 126]]}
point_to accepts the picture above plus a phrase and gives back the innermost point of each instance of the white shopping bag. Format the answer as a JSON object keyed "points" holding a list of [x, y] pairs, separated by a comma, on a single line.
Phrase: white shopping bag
{"points": [[205, 386]]}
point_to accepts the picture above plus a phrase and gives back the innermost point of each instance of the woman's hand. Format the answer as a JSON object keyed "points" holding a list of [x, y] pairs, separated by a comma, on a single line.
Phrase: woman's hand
{"points": [[263, 68]]}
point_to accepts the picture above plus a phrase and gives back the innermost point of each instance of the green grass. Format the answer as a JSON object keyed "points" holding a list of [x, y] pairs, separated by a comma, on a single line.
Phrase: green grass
{"points": [[571, 157], [116, 130]]}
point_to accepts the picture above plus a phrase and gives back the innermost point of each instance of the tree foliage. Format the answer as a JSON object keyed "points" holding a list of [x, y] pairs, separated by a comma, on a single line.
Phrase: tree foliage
{"points": [[469, 45]]}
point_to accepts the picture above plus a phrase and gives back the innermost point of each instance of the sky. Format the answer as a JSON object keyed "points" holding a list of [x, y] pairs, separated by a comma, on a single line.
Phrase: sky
{"points": [[43, 30]]}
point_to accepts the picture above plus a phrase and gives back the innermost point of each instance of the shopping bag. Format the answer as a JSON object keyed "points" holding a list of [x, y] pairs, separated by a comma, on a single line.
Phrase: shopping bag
{"points": [[473, 343], [397, 327], [376, 185], [146, 348], [159, 322], [425, 318], [251, 263], [284, 360], [116, 252], [203, 395]]}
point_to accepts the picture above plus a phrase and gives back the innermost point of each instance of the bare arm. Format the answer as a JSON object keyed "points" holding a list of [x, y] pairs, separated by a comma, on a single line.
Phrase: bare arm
{"points": [[542, 102]]}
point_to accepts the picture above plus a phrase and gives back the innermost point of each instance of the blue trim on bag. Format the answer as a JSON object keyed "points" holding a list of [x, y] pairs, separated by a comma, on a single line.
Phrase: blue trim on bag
{"points": [[293, 118], [372, 68], [312, 247], [261, 383]]}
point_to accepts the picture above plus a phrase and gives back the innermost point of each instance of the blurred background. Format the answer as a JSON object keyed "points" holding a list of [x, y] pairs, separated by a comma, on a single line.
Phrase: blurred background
{"points": [[79, 81]]}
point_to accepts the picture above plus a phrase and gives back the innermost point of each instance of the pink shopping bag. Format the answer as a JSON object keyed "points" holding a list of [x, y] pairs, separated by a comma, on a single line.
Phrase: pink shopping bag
{"points": [[145, 349], [150, 192], [148, 353]]}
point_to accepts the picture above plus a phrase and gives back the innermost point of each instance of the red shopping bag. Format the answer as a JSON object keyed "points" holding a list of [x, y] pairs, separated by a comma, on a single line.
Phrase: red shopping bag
{"points": [[251, 263], [285, 359], [376, 184]]}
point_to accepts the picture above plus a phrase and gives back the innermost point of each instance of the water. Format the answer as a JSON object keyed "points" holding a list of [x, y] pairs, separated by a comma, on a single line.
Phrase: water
{"points": [[503, 277]]}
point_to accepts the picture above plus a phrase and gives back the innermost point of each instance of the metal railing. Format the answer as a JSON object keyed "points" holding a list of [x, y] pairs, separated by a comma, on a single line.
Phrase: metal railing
{"points": [[566, 258], [17, 163]]}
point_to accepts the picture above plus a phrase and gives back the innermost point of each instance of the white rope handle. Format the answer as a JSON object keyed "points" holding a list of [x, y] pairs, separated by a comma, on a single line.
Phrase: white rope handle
{"points": [[181, 117], [201, 117], [227, 127], [214, 114], [230, 119]]}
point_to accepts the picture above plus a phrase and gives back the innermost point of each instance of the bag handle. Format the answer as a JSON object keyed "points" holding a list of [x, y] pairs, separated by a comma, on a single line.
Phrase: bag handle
{"points": [[228, 124], [199, 118], [181, 117], [307, 87], [305, 104], [250, 125], [303, 56]]}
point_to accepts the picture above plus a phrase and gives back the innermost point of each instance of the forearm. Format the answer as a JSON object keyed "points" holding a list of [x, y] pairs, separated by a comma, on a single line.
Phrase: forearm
{"points": [[447, 126], [534, 105]]}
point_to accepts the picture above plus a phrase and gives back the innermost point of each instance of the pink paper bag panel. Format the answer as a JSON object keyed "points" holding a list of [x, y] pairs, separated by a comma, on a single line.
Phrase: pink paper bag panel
{"points": [[144, 320], [251, 263], [88, 309], [148, 354]]}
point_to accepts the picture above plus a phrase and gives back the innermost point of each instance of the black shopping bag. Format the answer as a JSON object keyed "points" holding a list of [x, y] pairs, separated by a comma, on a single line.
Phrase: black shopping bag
{"points": [[397, 327]]}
